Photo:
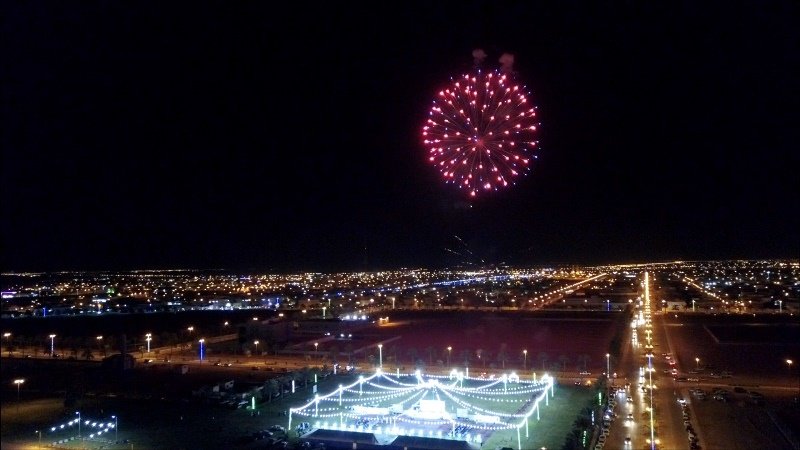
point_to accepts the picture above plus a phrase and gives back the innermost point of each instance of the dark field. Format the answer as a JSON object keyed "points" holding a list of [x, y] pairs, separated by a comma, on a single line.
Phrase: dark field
{"points": [[553, 339], [756, 333], [749, 353]]}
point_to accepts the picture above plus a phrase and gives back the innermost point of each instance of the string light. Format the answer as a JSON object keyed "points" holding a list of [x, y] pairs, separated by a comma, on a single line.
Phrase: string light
{"points": [[413, 394]]}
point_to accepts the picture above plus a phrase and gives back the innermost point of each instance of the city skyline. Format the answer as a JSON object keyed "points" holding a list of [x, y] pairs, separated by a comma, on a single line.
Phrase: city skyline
{"points": [[189, 137]]}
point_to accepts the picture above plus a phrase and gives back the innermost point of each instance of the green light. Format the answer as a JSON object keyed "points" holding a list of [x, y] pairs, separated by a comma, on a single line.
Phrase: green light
{"points": [[600, 399]]}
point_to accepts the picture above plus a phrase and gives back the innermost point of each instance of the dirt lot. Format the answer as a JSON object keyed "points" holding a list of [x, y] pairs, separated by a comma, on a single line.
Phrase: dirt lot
{"points": [[428, 334], [755, 350]]}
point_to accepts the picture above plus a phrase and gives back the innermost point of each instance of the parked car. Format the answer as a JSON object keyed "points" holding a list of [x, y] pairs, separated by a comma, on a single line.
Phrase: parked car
{"points": [[277, 429]]}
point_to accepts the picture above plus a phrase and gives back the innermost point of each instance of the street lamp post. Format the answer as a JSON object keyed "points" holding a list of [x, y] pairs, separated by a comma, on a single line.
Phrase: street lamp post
{"points": [[52, 344], [789, 363], [608, 365], [79, 422], [316, 346], [201, 341], [116, 429], [525, 360], [148, 338], [380, 356], [652, 431], [449, 351], [256, 343], [7, 337], [18, 382], [697, 362], [39, 432]]}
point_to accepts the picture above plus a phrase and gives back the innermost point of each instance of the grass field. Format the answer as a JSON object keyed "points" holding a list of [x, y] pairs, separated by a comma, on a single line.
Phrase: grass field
{"points": [[555, 422]]}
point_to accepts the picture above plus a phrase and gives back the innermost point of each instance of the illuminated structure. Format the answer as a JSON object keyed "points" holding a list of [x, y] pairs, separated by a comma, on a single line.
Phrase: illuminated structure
{"points": [[445, 407]]}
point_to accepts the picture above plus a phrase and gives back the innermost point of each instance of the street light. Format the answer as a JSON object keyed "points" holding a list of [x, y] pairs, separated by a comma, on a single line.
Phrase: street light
{"points": [[8, 338], [316, 345], [256, 343], [52, 344], [449, 351], [525, 360], [116, 429], [697, 361], [201, 341], [608, 365], [148, 338], [789, 363], [79, 422], [380, 356], [18, 382], [650, 371]]}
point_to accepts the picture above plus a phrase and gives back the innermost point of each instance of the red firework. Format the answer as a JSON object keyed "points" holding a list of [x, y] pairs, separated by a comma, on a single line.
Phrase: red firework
{"points": [[480, 132]]}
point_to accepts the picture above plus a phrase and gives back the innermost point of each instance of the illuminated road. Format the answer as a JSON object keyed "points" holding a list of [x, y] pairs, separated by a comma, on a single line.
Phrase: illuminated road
{"points": [[668, 429]]}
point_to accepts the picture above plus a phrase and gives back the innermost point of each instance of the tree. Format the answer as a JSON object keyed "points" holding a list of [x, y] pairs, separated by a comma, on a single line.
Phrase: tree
{"points": [[334, 354], [430, 351], [543, 357], [349, 349], [412, 355], [583, 360], [502, 354], [272, 386], [465, 356], [563, 359]]}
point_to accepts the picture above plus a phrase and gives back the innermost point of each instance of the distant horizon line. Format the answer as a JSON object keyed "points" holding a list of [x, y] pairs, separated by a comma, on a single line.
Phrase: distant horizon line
{"points": [[447, 267]]}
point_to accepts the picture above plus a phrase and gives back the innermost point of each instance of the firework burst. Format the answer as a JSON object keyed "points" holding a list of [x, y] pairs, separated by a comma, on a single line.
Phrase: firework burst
{"points": [[480, 132]]}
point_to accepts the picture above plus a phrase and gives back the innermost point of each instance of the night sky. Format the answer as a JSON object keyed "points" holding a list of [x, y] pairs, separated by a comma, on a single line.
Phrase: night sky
{"points": [[247, 136]]}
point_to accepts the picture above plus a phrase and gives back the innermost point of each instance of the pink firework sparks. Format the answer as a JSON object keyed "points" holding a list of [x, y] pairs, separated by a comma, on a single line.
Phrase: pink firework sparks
{"points": [[480, 132]]}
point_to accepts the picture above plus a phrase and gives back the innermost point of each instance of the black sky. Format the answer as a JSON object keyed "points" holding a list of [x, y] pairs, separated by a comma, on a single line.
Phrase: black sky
{"points": [[249, 136]]}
